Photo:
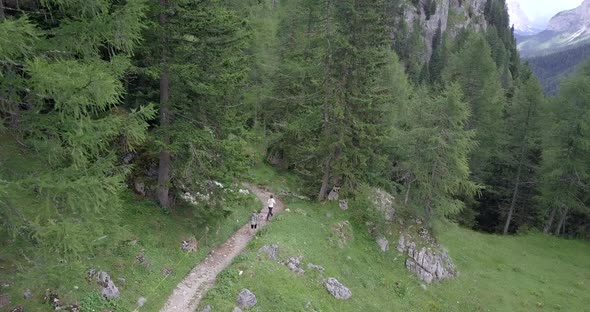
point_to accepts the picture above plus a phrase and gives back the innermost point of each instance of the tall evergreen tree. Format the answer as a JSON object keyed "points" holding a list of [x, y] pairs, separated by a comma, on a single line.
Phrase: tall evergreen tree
{"points": [[566, 146], [475, 71], [70, 63], [523, 139], [194, 58], [434, 148], [343, 109]]}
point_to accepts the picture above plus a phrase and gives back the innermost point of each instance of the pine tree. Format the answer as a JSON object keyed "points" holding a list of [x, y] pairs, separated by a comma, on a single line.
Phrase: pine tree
{"points": [[566, 146], [194, 57], [475, 71], [340, 113]]}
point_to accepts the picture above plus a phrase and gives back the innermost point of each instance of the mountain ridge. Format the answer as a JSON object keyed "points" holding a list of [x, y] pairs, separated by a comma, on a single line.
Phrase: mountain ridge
{"points": [[567, 29]]}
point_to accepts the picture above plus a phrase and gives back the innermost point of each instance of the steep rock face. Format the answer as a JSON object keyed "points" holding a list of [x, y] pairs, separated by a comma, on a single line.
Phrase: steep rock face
{"points": [[572, 21], [566, 30], [450, 15]]}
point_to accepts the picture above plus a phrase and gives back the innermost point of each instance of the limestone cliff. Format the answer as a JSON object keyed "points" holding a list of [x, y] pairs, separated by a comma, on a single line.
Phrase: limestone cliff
{"points": [[450, 15]]}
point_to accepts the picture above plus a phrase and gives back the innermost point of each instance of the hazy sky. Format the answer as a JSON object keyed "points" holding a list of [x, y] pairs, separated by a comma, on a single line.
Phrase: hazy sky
{"points": [[540, 11]]}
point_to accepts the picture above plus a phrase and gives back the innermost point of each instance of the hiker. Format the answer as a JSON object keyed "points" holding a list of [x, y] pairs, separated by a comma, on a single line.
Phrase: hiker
{"points": [[270, 204], [254, 220]]}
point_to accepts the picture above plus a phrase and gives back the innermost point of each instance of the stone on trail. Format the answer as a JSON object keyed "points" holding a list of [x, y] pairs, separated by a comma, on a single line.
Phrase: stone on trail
{"points": [[206, 309], [271, 250], [337, 290], [246, 299], [383, 243]]}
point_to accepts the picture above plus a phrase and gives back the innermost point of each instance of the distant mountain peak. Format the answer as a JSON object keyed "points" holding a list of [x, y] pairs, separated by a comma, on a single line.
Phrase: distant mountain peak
{"points": [[573, 20], [567, 29], [521, 22]]}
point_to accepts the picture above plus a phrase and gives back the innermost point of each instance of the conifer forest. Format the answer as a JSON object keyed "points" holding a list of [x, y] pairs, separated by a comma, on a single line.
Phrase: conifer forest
{"points": [[136, 136]]}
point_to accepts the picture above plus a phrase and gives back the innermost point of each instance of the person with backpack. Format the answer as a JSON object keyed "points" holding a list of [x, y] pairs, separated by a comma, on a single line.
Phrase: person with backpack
{"points": [[254, 220], [270, 204]]}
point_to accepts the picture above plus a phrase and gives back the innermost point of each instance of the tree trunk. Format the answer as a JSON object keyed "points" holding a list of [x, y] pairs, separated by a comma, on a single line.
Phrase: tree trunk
{"points": [[326, 107], [514, 193], [2, 16], [523, 149], [164, 158], [561, 222], [549, 223], [408, 192], [428, 211], [325, 180]]}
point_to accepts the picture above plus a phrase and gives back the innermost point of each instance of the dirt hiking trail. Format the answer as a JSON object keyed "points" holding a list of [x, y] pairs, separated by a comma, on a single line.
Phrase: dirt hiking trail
{"points": [[189, 292]]}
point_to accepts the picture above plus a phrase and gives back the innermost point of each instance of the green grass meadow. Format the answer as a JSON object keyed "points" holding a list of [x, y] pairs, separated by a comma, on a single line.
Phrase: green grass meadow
{"points": [[515, 273], [24, 266]]}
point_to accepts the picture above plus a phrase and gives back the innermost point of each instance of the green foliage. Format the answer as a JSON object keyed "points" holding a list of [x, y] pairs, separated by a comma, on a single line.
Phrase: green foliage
{"points": [[565, 168], [336, 116], [67, 116], [95, 302], [205, 60], [475, 72], [145, 227], [435, 147]]}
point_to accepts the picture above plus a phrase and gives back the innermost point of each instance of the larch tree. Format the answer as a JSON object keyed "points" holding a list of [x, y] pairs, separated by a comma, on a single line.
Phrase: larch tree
{"points": [[566, 146], [70, 59], [434, 147], [523, 139]]}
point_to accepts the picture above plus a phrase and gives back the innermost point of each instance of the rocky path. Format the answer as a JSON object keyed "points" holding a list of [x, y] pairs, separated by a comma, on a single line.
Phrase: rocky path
{"points": [[188, 293]]}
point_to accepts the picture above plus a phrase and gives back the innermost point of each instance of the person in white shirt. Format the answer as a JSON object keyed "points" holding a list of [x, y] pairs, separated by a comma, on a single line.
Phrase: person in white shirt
{"points": [[270, 204]]}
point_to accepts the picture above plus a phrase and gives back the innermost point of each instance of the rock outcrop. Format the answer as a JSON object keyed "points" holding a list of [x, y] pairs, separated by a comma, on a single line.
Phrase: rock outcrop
{"points": [[383, 202], [450, 15], [337, 290], [272, 251], [383, 244], [315, 267], [430, 264], [109, 291], [246, 299], [294, 264]]}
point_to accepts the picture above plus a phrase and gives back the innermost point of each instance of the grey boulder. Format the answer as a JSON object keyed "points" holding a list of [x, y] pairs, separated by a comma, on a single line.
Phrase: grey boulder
{"points": [[246, 299], [110, 290], [28, 294], [383, 243], [337, 290]]}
